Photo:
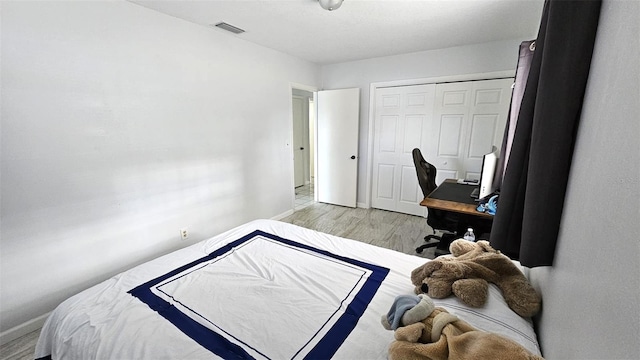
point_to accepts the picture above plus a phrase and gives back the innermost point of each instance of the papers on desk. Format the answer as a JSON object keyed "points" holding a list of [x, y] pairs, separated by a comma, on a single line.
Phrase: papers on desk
{"points": [[468, 181]]}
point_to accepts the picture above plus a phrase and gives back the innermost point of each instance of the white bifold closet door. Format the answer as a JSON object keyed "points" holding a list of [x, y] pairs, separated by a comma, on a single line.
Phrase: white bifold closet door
{"points": [[403, 122], [470, 118], [453, 124]]}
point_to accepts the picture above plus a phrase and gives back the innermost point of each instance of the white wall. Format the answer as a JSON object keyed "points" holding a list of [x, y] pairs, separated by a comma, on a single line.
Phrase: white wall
{"points": [[462, 60], [120, 126], [591, 306]]}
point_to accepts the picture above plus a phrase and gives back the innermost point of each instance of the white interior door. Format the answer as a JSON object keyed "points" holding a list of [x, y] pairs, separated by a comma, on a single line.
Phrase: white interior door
{"points": [[402, 122], [337, 146], [469, 119], [298, 141]]}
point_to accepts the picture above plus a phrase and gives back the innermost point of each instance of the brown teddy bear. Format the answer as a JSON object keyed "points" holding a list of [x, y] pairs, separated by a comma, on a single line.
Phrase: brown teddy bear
{"points": [[467, 273], [427, 332]]}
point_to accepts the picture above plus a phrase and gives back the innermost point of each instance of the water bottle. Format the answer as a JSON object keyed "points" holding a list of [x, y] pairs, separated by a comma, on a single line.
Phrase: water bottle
{"points": [[469, 235]]}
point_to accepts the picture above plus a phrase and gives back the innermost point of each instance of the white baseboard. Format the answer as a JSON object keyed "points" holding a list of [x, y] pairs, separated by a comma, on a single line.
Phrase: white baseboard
{"points": [[362, 205], [283, 215], [23, 329]]}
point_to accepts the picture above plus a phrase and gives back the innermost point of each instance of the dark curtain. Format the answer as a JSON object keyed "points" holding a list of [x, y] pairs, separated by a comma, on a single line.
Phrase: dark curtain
{"points": [[532, 194]]}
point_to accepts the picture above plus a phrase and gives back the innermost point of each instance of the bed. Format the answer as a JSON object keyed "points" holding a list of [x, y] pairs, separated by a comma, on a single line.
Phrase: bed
{"points": [[264, 290]]}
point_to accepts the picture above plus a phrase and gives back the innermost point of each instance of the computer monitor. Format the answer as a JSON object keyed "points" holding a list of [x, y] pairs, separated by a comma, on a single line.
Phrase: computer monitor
{"points": [[487, 184]]}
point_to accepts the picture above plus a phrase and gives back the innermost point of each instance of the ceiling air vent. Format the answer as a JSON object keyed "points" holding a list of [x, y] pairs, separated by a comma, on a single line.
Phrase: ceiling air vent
{"points": [[231, 28]]}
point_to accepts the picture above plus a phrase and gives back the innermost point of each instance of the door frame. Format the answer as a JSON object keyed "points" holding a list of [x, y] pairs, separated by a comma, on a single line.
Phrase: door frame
{"points": [[432, 80], [314, 90]]}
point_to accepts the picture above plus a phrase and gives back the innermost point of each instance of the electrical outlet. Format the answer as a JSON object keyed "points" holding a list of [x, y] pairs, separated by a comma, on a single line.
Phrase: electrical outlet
{"points": [[184, 234]]}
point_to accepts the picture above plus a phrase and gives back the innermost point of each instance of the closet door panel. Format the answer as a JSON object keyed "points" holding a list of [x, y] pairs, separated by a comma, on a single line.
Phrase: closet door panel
{"points": [[470, 120], [402, 119]]}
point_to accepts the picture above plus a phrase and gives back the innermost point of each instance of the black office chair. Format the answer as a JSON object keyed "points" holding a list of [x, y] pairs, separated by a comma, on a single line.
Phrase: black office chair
{"points": [[438, 219]]}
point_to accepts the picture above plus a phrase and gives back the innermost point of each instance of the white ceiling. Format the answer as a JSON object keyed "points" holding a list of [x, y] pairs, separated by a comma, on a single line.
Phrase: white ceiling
{"points": [[361, 29]]}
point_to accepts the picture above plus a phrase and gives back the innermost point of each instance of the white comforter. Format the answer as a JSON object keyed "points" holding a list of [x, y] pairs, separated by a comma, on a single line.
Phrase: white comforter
{"points": [[262, 297]]}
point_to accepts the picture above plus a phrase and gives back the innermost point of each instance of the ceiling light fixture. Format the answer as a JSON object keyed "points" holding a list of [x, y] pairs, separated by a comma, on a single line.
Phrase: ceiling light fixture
{"points": [[330, 4]]}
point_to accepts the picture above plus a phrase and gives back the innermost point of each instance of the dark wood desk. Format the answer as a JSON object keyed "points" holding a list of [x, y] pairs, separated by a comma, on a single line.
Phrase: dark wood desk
{"points": [[454, 197], [451, 196]]}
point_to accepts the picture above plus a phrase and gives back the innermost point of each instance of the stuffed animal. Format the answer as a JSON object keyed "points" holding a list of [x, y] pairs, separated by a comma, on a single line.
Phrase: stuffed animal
{"points": [[440, 335], [467, 275], [407, 309]]}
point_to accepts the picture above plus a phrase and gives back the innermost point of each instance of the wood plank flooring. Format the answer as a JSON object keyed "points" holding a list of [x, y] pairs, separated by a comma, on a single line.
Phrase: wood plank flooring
{"points": [[387, 229], [22, 348]]}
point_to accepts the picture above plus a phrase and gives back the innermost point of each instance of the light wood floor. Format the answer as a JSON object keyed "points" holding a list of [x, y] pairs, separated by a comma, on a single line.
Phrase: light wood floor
{"points": [[22, 348], [387, 229]]}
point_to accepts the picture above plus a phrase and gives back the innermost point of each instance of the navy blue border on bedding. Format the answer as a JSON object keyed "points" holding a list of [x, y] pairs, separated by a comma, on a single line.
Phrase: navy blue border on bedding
{"points": [[224, 348]]}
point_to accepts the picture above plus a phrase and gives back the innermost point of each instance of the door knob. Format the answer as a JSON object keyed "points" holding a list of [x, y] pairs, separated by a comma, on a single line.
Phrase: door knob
{"points": [[353, 157], [301, 148]]}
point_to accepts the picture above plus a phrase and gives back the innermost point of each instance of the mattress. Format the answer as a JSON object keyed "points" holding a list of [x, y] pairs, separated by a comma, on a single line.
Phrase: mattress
{"points": [[264, 290]]}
